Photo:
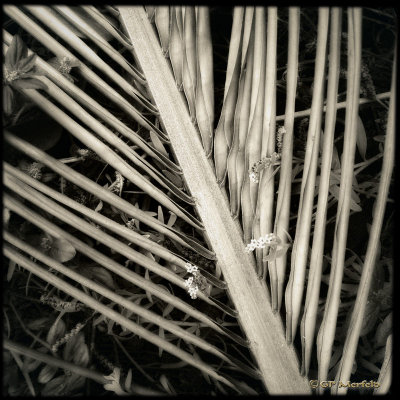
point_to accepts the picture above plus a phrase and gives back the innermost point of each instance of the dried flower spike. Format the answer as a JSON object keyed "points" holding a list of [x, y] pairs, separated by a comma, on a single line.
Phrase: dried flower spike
{"points": [[279, 138], [262, 164], [67, 337]]}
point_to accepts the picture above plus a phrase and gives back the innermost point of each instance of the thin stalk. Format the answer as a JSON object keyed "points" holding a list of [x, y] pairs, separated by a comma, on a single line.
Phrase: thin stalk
{"points": [[60, 51], [285, 177], [243, 119], [256, 133], [113, 315], [119, 300], [358, 314], [314, 278], [254, 138], [327, 330], [295, 286], [263, 222], [223, 135], [103, 194], [236, 143]]}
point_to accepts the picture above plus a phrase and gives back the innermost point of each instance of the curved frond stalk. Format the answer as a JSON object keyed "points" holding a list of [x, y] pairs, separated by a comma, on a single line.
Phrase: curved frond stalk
{"points": [[204, 94], [285, 178], [108, 263], [308, 322], [242, 165], [141, 311], [327, 330], [102, 113], [276, 361], [52, 21], [255, 132], [241, 119], [224, 133], [295, 286], [60, 51], [236, 155], [104, 194], [358, 314], [263, 222], [113, 315], [101, 149]]}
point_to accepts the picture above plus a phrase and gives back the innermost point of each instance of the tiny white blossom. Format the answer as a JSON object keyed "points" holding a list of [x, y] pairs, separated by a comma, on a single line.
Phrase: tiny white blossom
{"points": [[189, 281], [253, 177], [191, 268], [193, 291]]}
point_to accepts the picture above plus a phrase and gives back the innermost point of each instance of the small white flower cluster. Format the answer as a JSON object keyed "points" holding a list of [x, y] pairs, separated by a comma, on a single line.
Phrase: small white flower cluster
{"points": [[191, 268], [191, 282], [268, 239], [192, 287]]}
